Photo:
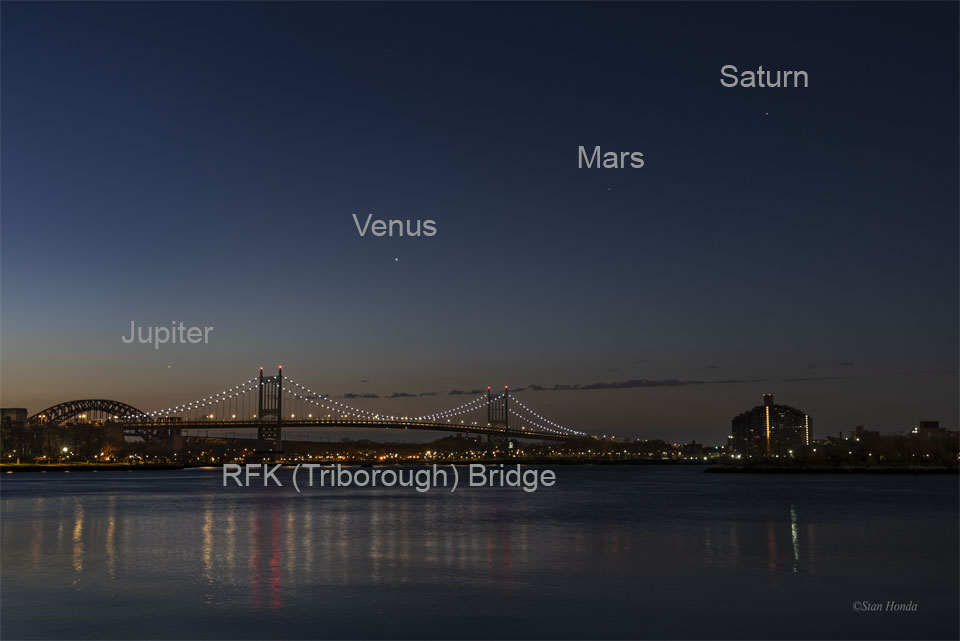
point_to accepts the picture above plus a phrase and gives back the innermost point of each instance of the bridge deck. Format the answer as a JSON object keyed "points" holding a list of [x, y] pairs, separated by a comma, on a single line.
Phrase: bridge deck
{"points": [[235, 424]]}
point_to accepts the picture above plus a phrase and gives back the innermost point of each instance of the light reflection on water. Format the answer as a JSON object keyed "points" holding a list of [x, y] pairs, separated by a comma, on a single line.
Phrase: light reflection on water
{"points": [[646, 551]]}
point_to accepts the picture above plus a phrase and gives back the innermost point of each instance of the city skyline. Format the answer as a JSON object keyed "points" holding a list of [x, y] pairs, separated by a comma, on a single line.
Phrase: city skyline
{"points": [[397, 404]]}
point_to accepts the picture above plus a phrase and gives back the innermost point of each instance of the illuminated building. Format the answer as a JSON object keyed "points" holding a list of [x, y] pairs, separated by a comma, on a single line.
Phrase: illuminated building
{"points": [[770, 430]]}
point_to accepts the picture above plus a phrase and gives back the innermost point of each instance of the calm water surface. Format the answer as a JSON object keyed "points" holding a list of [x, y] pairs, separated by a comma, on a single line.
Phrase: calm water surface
{"points": [[624, 552]]}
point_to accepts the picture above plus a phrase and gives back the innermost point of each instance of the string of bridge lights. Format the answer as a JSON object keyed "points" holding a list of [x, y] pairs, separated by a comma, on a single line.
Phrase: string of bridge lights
{"points": [[312, 397], [526, 421], [343, 410], [466, 408], [469, 406], [348, 409], [546, 420], [232, 392]]}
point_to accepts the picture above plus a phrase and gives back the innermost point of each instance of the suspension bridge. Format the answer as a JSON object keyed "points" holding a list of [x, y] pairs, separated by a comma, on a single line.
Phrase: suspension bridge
{"points": [[270, 403]]}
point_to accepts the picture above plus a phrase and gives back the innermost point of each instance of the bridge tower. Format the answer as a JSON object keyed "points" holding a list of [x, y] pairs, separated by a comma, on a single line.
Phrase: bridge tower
{"points": [[270, 412], [498, 415]]}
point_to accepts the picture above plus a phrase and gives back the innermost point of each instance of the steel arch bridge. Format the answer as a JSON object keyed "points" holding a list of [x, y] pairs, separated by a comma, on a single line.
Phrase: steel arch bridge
{"points": [[61, 412], [270, 403]]}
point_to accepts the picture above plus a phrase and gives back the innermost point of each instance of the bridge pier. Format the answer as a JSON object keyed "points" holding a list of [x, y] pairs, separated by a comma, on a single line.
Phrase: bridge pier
{"points": [[497, 442], [498, 416], [170, 439], [270, 413]]}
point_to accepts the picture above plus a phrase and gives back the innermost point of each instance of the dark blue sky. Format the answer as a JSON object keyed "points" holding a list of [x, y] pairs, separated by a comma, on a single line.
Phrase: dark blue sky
{"points": [[201, 162]]}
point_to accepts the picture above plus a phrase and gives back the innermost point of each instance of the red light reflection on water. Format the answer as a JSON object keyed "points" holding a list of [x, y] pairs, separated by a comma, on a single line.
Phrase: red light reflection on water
{"points": [[266, 539]]}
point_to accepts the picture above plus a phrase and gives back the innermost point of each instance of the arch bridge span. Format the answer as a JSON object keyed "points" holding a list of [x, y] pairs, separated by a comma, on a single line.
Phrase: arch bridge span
{"points": [[108, 410]]}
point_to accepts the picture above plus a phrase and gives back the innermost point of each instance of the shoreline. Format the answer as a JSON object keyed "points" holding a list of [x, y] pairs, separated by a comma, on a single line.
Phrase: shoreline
{"points": [[714, 468], [839, 469], [13, 468]]}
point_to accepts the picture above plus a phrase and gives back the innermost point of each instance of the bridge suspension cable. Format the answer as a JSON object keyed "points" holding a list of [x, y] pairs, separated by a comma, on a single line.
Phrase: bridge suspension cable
{"points": [[241, 401], [312, 396], [207, 401], [339, 410], [472, 406], [526, 420], [544, 420], [342, 408]]}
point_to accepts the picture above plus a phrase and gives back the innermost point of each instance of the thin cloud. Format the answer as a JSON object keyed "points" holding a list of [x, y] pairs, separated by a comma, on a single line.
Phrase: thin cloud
{"points": [[633, 384], [640, 383]]}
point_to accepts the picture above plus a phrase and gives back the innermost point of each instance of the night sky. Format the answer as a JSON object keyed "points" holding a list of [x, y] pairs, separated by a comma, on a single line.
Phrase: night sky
{"points": [[201, 162]]}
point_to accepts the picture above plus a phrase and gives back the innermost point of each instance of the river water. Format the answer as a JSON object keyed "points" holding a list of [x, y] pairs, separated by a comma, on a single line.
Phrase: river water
{"points": [[608, 552]]}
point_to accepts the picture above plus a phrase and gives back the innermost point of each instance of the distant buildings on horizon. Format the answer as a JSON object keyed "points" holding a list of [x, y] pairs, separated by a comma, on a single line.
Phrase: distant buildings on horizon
{"points": [[770, 430], [780, 431]]}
